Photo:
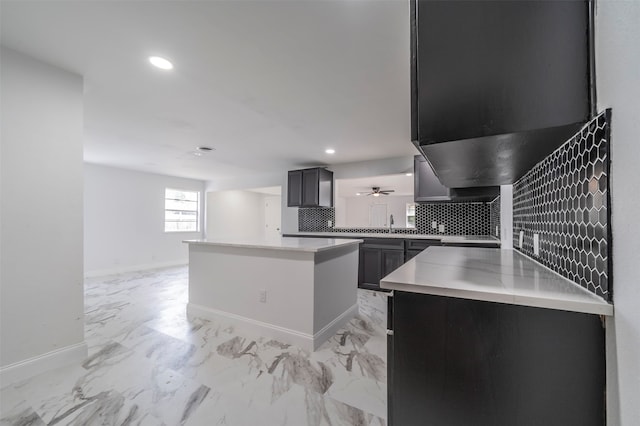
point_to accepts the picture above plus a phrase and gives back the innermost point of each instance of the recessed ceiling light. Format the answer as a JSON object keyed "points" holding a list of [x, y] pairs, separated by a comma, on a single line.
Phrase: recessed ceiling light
{"points": [[206, 149], [330, 151], [357, 193], [408, 174], [161, 63]]}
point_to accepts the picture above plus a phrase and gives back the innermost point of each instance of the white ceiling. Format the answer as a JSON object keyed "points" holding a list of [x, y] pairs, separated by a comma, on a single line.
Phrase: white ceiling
{"points": [[268, 84], [401, 184]]}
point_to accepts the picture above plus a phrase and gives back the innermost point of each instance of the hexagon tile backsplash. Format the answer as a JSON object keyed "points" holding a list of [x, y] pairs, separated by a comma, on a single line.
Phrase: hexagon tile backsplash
{"points": [[565, 200]]}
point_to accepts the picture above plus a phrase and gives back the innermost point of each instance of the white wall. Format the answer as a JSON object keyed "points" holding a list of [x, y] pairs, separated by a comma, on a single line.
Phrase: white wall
{"points": [[41, 282], [618, 71], [235, 214], [289, 221], [124, 220], [357, 210], [385, 166]]}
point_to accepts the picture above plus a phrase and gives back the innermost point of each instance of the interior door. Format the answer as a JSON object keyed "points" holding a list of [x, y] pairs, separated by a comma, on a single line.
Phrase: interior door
{"points": [[272, 216], [378, 215]]}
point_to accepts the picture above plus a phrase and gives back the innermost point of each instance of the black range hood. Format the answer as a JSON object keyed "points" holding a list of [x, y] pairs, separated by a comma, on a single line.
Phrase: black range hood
{"points": [[498, 85], [493, 160]]}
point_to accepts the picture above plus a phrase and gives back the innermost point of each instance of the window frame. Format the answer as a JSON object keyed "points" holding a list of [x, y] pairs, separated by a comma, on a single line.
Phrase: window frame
{"points": [[407, 216], [197, 210]]}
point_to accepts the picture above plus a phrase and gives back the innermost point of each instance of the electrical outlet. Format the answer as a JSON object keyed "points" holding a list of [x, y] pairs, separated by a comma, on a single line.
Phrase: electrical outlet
{"points": [[263, 296], [536, 245], [434, 225], [441, 228], [521, 239]]}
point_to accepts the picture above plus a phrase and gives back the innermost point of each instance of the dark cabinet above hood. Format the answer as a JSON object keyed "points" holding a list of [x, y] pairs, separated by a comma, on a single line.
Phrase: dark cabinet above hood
{"points": [[498, 85]]}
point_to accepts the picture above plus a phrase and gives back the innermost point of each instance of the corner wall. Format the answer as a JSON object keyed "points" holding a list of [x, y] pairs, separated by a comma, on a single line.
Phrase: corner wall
{"points": [[41, 282], [124, 220], [617, 68]]}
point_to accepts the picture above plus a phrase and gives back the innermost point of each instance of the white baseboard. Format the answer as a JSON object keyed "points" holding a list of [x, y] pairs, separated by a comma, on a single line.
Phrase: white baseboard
{"points": [[332, 328], [30, 367], [286, 335], [133, 268]]}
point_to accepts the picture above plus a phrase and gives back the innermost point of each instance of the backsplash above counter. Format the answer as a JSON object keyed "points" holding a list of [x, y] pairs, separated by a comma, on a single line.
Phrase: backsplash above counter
{"points": [[457, 219], [564, 199]]}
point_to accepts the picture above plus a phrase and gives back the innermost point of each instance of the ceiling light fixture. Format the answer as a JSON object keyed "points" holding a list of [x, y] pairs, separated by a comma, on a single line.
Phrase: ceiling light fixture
{"points": [[357, 193], [330, 151], [161, 63], [408, 174], [376, 194]]}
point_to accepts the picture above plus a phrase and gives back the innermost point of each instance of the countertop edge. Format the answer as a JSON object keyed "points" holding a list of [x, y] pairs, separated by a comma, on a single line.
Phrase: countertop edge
{"points": [[594, 306], [344, 242]]}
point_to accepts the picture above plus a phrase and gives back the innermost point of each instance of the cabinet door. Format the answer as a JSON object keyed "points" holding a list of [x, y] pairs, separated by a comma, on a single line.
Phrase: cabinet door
{"points": [[294, 188], [370, 267], [427, 187], [310, 186], [499, 44], [411, 254], [391, 260], [463, 362]]}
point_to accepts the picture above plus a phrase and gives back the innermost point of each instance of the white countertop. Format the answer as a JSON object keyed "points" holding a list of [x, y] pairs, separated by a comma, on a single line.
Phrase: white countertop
{"points": [[503, 276], [313, 245], [467, 239]]}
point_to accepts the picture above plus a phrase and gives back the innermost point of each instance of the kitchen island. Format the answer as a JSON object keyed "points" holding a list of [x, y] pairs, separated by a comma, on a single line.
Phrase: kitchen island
{"points": [[296, 290], [491, 337]]}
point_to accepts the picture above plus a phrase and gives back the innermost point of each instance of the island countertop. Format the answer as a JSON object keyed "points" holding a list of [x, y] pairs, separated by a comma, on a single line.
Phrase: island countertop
{"points": [[503, 276], [313, 245]]}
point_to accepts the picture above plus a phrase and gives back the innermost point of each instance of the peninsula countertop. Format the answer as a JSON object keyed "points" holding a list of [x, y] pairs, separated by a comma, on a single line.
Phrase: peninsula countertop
{"points": [[313, 245], [503, 276], [445, 239]]}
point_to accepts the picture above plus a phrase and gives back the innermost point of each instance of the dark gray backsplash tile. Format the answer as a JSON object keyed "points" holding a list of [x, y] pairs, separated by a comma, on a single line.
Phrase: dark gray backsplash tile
{"points": [[457, 218], [564, 199]]}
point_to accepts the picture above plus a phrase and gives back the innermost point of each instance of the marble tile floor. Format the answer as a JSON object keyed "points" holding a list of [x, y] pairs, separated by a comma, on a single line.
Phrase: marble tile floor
{"points": [[149, 364]]}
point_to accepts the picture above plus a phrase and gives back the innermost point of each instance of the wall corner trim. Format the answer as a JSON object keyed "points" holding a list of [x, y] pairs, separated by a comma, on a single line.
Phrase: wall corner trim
{"points": [[30, 367]]}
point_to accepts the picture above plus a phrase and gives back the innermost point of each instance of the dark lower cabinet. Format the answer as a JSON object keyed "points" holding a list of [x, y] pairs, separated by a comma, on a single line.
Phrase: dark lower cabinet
{"points": [[415, 247], [464, 362], [378, 258], [370, 268]]}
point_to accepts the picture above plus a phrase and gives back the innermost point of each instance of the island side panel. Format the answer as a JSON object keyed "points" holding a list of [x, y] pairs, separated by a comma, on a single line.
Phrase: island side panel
{"points": [[228, 280], [335, 290]]}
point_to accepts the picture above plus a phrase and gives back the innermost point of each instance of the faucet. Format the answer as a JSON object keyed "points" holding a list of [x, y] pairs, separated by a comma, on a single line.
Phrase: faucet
{"points": [[390, 223]]}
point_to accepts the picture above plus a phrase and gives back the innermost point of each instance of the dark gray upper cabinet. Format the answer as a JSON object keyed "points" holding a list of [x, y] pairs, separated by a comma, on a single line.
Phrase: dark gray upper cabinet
{"points": [[310, 188], [497, 85], [426, 186]]}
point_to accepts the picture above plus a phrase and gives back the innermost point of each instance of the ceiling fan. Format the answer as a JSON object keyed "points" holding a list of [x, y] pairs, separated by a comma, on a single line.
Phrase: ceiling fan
{"points": [[375, 191]]}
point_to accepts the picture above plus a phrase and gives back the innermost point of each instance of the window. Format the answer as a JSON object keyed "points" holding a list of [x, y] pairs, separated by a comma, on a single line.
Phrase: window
{"points": [[181, 210], [411, 215]]}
